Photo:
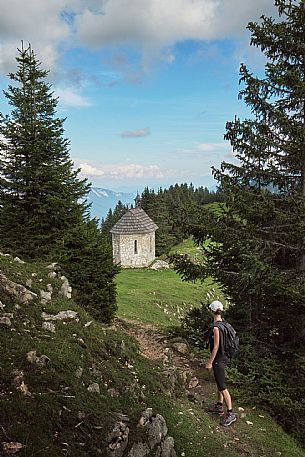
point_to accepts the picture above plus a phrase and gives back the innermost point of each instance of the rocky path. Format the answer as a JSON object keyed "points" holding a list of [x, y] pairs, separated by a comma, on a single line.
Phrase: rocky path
{"points": [[198, 383]]}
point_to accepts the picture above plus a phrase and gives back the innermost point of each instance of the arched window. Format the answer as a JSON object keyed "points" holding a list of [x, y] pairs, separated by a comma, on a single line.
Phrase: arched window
{"points": [[135, 246]]}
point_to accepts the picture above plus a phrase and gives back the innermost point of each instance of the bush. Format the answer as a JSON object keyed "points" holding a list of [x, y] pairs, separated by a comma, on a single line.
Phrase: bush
{"points": [[275, 381], [195, 325], [88, 263]]}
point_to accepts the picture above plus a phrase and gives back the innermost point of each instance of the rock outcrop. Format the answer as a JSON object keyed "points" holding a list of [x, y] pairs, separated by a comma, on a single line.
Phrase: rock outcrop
{"points": [[118, 439], [154, 439], [61, 316], [66, 289], [15, 291]]}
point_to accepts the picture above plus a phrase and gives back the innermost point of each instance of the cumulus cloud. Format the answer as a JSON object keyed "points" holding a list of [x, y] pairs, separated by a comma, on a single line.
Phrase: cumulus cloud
{"points": [[151, 26], [144, 22], [139, 133], [123, 171], [36, 22], [156, 23]]}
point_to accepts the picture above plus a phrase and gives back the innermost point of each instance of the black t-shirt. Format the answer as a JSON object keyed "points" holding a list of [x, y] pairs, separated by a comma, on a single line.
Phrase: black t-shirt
{"points": [[211, 339]]}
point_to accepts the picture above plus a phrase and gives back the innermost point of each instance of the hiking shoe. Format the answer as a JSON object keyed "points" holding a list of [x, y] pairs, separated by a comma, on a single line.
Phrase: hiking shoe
{"points": [[215, 409], [228, 419]]}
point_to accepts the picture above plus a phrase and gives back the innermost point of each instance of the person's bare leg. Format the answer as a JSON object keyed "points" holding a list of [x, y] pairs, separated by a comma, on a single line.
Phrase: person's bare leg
{"points": [[227, 398], [220, 397]]}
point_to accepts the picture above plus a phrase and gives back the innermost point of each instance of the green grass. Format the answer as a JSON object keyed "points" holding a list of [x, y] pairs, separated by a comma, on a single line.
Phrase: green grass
{"points": [[188, 246], [159, 297]]}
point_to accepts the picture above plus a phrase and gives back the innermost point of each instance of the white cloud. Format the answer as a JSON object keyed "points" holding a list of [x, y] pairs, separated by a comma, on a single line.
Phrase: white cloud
{"points": [[154, 24], [151, 26], [36, 22], [123, 171], [139, 133], [149, 22], [69, 97]]}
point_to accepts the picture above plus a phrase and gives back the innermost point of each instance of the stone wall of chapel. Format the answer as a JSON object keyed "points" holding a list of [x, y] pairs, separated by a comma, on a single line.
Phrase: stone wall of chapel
{"points": [[134, 251], [116, 248]]}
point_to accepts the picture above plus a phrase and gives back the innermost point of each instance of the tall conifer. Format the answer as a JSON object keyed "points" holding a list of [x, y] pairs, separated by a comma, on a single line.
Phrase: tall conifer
{"points": [[259, 249], [41, 197]]}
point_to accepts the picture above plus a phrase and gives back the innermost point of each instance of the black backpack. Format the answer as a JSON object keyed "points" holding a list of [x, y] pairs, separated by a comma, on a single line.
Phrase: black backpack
{"points": [[230, 340]]}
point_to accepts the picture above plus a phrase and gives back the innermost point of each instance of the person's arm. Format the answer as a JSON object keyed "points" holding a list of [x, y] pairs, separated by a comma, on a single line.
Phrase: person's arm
{"points": [[215, 348]]}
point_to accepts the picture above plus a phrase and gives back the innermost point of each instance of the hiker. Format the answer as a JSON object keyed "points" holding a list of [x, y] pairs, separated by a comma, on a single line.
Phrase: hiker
{"points": [[218, 361]]}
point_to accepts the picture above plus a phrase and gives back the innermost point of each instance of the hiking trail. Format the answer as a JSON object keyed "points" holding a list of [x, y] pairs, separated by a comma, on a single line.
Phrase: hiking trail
{"points": [[198, 383]]}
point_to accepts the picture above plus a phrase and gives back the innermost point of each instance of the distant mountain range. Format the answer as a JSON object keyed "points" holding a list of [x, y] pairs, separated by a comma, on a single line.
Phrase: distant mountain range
{"points": [[103, 199]]}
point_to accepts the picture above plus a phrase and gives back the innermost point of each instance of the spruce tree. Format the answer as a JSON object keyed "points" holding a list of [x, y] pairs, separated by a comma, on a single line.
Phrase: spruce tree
{"points": [[171, 209], [155, 206], [258, 248], [106, 226], [88, 263], [43, 211], [41, 197], [111, 219]]}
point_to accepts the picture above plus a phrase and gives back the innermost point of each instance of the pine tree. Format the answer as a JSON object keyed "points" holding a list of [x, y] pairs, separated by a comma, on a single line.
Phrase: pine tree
{"points": [[41, 197]]}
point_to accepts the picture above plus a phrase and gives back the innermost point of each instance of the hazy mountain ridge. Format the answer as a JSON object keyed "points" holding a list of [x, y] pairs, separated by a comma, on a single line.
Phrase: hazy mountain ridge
{"points": [[103, 199]]}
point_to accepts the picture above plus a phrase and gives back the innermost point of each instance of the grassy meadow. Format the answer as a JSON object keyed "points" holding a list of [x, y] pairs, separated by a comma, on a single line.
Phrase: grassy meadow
{"points": [[160, 297]]}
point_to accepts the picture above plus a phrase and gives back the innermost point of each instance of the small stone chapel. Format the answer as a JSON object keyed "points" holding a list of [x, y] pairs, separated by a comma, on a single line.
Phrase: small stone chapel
{"points": [[133, 238]]}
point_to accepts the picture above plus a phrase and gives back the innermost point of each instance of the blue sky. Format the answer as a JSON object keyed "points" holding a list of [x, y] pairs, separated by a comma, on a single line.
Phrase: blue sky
{"points": [[146, 85]]}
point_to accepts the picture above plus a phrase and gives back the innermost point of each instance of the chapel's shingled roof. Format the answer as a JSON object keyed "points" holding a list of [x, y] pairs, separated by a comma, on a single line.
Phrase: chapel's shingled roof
{"points": [[134, 221]]}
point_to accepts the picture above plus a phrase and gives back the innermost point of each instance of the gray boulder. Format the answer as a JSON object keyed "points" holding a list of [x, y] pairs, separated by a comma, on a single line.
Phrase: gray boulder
{"points": [[19, 260], [139, 450], [5, 321], [66, 289], [79, 372], [48, 326], [94, 387], [167, 448], [45, 297], [31, 356], [16, 291], [118, 440], [43, 360], [160, 265], [155, 426], [61, 316], [155, 439], [52, 274], [152, 439]]}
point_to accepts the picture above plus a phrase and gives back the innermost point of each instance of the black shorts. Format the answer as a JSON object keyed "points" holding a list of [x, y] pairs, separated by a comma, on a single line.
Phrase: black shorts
{"points": [[219, 366]]}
